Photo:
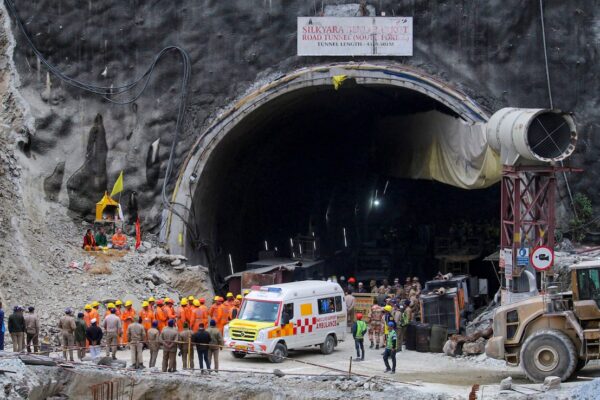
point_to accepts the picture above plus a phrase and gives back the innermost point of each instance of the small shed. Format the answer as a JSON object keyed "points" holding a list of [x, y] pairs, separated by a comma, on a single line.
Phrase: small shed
{"points": [[107, 209]]}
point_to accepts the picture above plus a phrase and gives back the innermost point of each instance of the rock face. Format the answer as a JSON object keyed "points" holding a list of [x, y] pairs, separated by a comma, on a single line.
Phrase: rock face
{"points": [[91, 176], [491, 50]]}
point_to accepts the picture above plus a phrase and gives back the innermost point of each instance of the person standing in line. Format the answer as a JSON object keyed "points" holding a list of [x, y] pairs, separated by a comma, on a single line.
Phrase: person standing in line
{"points": [[153, 343], [375, 329], [169, 337], [390, 348], [136, 335], [112, 328], [202, 340], [32, 330], [216, 341], [350, 302], [359, 329], [2, 327], [185, 347], [16, 328], [67, 326], [94, 336], [80, 335]]}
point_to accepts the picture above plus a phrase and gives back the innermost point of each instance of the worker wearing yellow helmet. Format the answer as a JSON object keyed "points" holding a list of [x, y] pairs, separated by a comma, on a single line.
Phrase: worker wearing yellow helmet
{"points": [[87, 314], [245, 292], [190, 298], [147, 315], [239, 297], [151, 302], [387, 317], [182, 314], [228, 305], [94, 314], [127, 316], [214, 312]]}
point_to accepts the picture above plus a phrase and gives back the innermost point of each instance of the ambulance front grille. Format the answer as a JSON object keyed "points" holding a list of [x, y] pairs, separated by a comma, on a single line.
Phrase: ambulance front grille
{"points": [[248, 335]]}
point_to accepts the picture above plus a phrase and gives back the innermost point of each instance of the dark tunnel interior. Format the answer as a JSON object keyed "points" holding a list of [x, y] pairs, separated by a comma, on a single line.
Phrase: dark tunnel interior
{"points": [[313, 163]]}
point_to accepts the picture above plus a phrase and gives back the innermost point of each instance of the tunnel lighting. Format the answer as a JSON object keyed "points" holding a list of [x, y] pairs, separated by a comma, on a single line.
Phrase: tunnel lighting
{"points": [[386, 186], [193, 178], [376, 202], [345, 238], [231, 264], [266, 246], [300, 248]]}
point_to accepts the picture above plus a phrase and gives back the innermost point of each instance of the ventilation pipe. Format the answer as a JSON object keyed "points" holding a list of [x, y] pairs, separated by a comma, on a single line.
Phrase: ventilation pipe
{"points": [[531, 135]]}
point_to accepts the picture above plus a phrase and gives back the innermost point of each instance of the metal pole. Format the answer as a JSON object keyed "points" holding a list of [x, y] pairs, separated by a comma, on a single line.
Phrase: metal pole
{"points": [[350, 368]]}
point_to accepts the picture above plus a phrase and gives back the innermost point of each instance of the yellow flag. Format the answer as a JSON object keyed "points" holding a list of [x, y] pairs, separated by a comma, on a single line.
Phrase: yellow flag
{"points": [[337, 80], [118, 185]]}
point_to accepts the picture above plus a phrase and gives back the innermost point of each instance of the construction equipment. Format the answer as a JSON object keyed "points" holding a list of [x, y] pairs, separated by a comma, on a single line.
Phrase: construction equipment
{"points": [[449, 301], [554, 334]]}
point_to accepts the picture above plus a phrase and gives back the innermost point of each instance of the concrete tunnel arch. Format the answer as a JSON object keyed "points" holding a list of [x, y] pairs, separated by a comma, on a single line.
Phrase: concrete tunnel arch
{"points": [[195, 179]]}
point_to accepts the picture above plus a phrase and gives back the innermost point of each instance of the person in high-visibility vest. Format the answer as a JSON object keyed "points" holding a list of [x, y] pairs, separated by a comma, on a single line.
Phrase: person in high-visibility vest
{"points": [[359, 329]]}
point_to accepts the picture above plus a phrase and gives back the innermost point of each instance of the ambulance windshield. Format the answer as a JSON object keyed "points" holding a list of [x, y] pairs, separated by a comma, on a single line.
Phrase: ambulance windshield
{"points": [[263, 311]]}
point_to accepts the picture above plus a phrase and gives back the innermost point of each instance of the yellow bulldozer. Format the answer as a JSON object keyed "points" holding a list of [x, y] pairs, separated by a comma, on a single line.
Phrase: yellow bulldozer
{"points": [[552, 334]]}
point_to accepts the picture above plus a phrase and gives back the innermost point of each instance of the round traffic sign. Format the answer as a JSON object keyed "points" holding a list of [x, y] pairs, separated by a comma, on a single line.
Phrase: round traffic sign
{"points": [[542, 258]]}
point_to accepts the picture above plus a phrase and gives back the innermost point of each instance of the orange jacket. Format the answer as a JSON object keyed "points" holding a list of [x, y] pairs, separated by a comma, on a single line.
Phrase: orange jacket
{"points": [[125, 315], [161, 317], [182, 313], [227, 306], [147, 318], [200, 316], [221, 317], [212, 311], [94, 314], [119, 240], [87, 317], [170, 312]]}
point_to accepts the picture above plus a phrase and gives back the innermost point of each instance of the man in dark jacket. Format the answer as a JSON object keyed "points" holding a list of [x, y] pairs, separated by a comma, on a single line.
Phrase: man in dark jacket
{"points": [[202, 338], [16, 328], [80, 334], [94, 336]]}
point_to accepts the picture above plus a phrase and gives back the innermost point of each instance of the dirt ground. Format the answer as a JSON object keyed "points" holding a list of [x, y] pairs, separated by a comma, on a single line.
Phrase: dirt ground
{"points": [[431, 373]]}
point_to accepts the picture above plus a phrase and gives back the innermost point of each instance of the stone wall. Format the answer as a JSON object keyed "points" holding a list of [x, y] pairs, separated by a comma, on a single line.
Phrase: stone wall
{"points": [[492, 50]]}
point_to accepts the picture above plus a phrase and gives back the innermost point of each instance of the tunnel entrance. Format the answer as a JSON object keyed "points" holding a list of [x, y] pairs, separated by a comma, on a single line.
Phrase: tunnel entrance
{"points": [[350, 168]]}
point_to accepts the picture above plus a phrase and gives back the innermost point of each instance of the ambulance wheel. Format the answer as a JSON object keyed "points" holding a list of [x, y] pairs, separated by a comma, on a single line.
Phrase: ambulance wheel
{"points": [[279, 353], [328, 345], [239, 354]]}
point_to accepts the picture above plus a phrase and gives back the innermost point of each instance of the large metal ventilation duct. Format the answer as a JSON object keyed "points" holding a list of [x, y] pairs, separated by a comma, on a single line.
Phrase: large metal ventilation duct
{"points": [[531, 135]]}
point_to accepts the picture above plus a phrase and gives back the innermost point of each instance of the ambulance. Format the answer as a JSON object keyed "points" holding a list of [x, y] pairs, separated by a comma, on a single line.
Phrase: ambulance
{"points": [[277, 318]]}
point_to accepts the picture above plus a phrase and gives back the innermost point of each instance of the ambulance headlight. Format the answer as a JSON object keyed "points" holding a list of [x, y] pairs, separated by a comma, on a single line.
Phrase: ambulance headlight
{"points": [[226, 331], [262, 335]]}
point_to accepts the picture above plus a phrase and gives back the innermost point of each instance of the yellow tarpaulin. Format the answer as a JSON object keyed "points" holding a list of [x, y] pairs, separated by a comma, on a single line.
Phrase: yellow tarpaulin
{"points": [[438, 146], [103, 204]]}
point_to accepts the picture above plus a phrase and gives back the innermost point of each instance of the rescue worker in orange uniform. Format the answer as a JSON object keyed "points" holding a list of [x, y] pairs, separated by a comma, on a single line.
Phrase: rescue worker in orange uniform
{"points": [[118, 311], [200, 315], [212, 311], [222, 315], [147, 315], [127, 316], [228, 304], [95, 313], [87, 315], [235, 310], [152, 303], [161, 315], [108, 307], [169, 309], [182, 314]]}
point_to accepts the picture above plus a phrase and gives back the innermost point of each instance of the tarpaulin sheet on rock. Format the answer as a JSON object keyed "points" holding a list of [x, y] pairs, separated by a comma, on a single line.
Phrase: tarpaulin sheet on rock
{"points": [[438, 146]]}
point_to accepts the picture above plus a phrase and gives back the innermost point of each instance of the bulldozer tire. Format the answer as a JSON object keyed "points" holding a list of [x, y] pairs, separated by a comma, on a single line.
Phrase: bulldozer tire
{"points": [[548, 352], [580, 365]]}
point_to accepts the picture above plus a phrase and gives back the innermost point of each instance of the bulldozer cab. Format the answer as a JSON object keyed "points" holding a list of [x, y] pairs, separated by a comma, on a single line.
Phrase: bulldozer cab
{"points": [[585, 278]]}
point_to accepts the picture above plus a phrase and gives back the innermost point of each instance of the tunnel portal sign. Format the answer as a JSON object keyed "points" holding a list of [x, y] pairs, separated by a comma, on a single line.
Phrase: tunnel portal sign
{"points": [[355, 36]]}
